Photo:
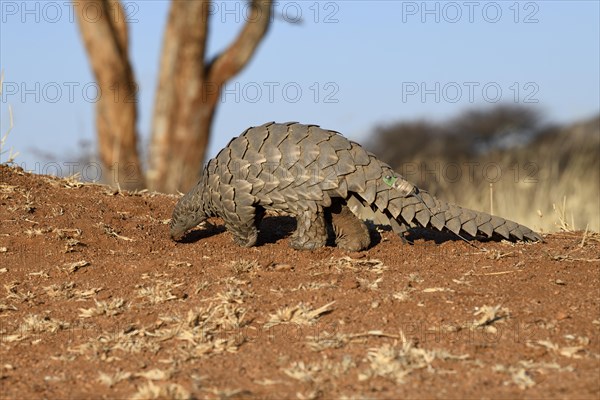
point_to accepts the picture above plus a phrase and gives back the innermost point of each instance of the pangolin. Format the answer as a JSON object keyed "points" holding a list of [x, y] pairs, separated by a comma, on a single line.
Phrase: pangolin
{"points": [[322, 179]]}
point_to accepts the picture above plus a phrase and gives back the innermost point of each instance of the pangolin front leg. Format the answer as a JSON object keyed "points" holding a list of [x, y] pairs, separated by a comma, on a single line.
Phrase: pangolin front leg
{"points": [[245, 231]]}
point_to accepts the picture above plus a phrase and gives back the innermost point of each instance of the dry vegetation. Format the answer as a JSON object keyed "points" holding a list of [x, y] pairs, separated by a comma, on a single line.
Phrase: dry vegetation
{"points": [[6, 156], [504, 161]]}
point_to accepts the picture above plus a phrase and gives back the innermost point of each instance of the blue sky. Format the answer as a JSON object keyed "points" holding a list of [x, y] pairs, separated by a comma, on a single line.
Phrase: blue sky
{"points": [[349, 66]]}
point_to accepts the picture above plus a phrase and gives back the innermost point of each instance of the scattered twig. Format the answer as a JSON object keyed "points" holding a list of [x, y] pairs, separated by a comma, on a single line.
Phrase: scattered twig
{"points": [[584, 236], [75, 266], [497, 273], [109, 230]]}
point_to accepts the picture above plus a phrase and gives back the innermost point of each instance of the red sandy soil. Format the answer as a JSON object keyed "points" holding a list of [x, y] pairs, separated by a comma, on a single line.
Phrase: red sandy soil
{"points": [[98, 302]]}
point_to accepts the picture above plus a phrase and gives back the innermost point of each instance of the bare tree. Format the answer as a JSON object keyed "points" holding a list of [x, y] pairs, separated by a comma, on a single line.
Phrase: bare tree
{"points": [[188, 89], [105, 35]]}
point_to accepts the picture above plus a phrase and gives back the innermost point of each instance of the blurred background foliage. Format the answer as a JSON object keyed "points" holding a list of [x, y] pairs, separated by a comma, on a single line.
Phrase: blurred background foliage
{"points": [[504, 160]]}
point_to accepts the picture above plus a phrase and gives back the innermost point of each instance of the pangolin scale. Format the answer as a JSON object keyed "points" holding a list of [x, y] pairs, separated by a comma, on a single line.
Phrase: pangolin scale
{"points": [[321, 178]]}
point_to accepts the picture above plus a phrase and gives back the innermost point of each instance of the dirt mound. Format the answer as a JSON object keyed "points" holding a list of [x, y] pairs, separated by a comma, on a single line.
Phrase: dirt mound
{"points": [[97, 301]]}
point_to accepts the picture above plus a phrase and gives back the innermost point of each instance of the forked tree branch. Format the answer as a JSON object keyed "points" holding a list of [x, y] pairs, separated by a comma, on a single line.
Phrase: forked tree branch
{"points": [[235, 57]]}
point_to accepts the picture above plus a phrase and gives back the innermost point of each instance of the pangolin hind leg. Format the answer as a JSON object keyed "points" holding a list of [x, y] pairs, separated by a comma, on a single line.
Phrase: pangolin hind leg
{"points": [[310, 232], [351, 233]]}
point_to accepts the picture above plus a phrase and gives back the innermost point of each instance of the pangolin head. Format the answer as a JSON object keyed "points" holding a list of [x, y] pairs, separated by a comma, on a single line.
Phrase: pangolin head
{"points": [[187, 214]]}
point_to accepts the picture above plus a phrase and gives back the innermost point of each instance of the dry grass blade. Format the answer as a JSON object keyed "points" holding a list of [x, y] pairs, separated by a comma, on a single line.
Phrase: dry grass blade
{"points": [[403, 295], [520, 374], [561, 214], [178, 264], [72, 181], [369, 285], [303, 372], [319, 372], [371, 265], [67, 233], [109, 230], [35, 325], [243, 266], [5, 307], [159, 293], [172, 391], [41, 274], [62, 290], [314, 286], [35, 232], [300, 314], [267, 382], [232, 295], [497, 273], [437, 289], [11, 156], [104, 346], [14, 293], [495, 254], [111, 380], [75, 266], [396, 362], [582, 244], [568, 351], [115, 307], [67, 290], [227, 393], [82, 295], [328, 341], [357, 265], [489, 315], [205, 330], [155, 374]]}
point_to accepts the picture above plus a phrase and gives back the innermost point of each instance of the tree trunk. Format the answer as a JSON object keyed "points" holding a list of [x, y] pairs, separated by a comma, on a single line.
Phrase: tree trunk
{"points": [[189, 89], [103, 27]]}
